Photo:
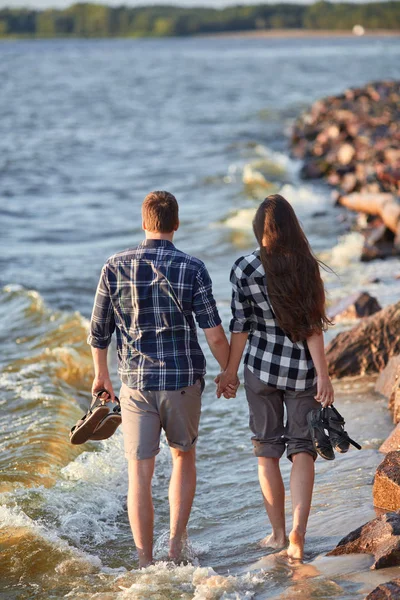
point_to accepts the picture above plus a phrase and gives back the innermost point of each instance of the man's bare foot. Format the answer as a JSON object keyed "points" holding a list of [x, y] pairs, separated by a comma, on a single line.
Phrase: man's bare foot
{"points": [[295, 552], [145, 563], [274, 542], [175, 548]]}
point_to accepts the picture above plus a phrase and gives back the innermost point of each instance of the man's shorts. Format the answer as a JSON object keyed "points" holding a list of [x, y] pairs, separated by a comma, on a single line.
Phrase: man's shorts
{"points": [[145, 413], [266, 406]]}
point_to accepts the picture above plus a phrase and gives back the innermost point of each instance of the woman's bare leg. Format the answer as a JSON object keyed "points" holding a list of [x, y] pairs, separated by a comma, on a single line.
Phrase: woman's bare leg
{"points": [[273, 492], [301, 488]]}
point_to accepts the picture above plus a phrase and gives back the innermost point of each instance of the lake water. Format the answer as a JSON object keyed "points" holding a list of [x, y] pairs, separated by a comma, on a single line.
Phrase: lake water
{"points": [[87, 128]]}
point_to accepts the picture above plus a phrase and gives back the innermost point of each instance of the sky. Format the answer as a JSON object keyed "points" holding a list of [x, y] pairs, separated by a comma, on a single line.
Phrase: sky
{"points": [[215, 3]]}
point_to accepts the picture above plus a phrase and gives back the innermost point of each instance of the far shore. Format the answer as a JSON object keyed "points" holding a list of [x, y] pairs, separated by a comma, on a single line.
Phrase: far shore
{"points": [[254, 33], [301, 33]]}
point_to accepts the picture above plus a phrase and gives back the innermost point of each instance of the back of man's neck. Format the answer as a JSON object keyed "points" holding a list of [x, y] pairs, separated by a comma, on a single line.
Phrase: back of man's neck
{"points": [[150, 235]]}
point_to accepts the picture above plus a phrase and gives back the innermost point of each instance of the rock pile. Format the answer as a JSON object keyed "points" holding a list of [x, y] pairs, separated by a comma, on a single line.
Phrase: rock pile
{"points": [[353, 141]]}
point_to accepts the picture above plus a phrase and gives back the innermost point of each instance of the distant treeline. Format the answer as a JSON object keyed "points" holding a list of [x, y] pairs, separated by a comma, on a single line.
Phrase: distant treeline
{"points": [[97, 20]]}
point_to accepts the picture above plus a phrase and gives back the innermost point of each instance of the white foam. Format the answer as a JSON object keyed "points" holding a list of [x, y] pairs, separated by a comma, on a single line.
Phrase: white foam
{"points": [[305, 197], [242, 220], [199, 583], [348, 250]]}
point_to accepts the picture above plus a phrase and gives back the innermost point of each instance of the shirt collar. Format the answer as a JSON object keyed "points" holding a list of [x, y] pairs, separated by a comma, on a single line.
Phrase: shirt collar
{"points": [[151, 243]]}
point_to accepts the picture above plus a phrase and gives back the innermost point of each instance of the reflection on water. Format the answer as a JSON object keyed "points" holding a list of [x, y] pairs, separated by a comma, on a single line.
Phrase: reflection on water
{"points": [[109, 121]]}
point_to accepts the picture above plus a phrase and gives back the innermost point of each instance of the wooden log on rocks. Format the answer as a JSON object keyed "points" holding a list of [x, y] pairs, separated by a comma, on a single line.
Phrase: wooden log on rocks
{"points": [[385, 206], [367, 347]]}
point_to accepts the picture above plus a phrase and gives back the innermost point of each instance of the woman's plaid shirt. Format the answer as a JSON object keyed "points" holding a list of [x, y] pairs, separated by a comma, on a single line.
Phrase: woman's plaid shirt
{"points": [[270, 354], [149, 295]]}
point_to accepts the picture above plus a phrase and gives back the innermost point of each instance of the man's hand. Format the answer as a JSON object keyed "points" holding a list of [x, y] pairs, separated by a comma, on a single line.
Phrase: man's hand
{"points": [[325, 394], [100, 383], [227, 384]]}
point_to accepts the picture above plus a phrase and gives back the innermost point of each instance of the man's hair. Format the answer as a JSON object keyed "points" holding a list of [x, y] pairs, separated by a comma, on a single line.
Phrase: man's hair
{"points": [[160, 212]]}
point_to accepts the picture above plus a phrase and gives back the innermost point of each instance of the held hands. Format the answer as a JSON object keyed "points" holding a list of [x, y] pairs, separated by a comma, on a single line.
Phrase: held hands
{"points": [[325, 393], [227, 384]]}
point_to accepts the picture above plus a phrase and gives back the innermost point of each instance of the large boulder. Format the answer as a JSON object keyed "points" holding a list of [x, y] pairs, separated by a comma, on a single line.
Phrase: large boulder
{"points": [[386, 591], [360, 304], [392, 442], [386, 490], [367, 347], [388, 384], [380, 537]]}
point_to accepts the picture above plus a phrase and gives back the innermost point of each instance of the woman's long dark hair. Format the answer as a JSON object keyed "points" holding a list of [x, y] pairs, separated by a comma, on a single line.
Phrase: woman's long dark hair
{"points": [[294, 283]]}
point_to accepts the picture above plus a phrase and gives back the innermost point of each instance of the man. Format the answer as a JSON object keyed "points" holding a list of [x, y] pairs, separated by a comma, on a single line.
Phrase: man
{"points": [[149, 294]]}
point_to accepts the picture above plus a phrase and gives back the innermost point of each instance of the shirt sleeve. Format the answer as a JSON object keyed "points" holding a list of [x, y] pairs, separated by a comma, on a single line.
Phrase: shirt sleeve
{"points": [[204, 306], [102, 323], [242, 312]]}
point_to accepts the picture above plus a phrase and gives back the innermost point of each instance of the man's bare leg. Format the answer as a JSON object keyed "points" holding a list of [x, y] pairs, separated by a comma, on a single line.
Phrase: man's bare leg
{"points": [[273, 492], [182, 488], [301, 488], [140, 507]]}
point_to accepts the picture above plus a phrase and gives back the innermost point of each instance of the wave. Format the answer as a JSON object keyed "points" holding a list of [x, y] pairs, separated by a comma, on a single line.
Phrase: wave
{"points": [[45, 377]]}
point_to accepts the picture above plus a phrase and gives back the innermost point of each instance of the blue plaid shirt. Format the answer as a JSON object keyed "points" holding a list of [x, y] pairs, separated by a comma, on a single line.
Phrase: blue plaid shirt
{"points": [[149, 294]]}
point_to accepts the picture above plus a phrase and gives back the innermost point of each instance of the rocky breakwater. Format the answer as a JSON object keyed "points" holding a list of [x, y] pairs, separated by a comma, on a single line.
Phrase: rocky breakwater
{"points": [[353, 141], [373, 346]]}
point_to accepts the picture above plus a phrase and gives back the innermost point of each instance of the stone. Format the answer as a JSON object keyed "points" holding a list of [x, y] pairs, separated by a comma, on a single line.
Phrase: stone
{"points": [[386, 591], [349, 183], [389, 376], [386, 491], [346, 154], [394, 403], [313, 169], [379, 537], [388, 384], [367, 347], [356, 306], [392, 442]]}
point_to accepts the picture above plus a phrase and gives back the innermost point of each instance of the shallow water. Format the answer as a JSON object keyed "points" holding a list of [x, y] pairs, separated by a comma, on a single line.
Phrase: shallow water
{"points": [[86, 129]]}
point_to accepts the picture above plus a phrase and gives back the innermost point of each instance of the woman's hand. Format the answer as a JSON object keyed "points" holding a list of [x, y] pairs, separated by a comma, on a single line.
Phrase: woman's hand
{"points": [[227, 384], [325, 394]]}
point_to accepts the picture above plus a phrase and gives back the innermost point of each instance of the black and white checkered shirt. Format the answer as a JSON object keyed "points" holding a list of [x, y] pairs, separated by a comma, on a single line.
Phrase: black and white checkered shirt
{"points": [[270, 354]]}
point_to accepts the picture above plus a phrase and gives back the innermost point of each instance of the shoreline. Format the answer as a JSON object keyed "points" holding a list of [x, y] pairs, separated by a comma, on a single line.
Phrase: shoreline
{"points": [[256, 34], [300, 33]]}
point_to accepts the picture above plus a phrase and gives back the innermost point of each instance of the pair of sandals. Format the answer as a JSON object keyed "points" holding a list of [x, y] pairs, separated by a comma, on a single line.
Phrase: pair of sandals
{"points": [[326, 427], [100, 421]]}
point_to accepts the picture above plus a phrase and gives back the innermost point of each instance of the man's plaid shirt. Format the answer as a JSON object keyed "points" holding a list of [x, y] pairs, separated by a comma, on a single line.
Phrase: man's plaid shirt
{"points": [[270, 355], [149, 295]]}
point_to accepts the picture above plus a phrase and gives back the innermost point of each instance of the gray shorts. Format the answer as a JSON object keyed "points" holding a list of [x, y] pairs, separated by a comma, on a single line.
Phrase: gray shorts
{"points": [[266, 406], [144, 413]]}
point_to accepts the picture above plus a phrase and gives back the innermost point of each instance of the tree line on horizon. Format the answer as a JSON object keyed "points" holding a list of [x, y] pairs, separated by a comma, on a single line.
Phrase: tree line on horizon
{"points": [[100, 21]]}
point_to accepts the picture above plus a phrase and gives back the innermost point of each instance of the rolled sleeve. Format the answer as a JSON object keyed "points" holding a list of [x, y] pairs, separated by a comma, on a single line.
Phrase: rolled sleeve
{"points": [[242, 312], [204, 306], [102, 323]]}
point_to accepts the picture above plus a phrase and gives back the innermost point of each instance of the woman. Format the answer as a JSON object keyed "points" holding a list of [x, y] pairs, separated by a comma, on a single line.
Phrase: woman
{"points": [[278, 306]]}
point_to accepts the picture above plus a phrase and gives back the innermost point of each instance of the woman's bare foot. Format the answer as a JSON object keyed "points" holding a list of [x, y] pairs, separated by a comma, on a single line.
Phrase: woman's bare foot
{"points": [[274, 541], [295, 551]]}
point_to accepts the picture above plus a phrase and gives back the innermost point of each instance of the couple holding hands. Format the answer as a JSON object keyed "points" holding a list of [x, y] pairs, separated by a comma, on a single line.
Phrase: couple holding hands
{"points": [[153, 295]]}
